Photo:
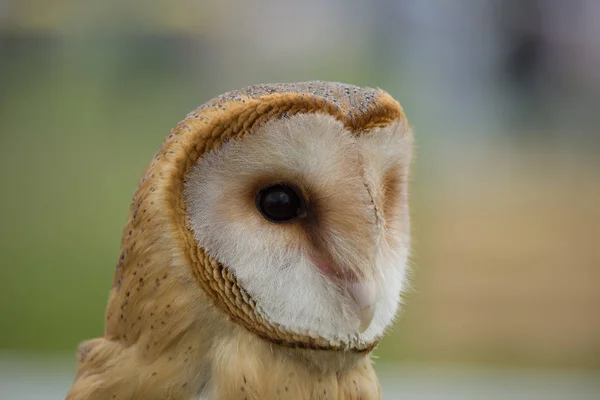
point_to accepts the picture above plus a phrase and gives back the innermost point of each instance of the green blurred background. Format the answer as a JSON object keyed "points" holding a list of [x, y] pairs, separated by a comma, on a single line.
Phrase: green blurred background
{"points": [[504, 97]]}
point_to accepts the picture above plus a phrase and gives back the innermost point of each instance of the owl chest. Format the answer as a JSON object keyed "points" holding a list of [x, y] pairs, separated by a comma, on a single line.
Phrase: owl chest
{"points": [[248, 375]]}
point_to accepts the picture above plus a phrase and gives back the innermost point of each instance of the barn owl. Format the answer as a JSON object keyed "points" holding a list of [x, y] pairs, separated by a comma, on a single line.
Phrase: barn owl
{"points": [[264, 254]]}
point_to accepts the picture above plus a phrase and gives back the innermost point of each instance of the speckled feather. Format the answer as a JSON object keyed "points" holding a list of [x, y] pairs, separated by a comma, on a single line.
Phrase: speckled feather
{"points": [[177, 319]]}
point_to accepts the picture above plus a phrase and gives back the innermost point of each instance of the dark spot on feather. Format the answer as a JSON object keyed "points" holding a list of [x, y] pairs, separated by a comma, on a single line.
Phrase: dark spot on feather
{"points": [[137, 207]]}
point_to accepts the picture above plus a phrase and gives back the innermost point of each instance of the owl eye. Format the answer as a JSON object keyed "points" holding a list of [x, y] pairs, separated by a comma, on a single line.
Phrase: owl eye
{"points": [[280, 203]]}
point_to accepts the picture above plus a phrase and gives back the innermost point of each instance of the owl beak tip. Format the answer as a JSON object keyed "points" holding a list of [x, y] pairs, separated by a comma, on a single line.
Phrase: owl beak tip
{"points": [[364, 298]]}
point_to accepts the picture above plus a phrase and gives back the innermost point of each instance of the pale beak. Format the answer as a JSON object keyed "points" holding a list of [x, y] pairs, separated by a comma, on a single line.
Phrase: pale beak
{"points": [[364, 296], [363, 293]]}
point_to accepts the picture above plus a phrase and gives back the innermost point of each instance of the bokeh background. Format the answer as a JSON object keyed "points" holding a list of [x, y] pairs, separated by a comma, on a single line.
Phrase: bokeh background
{"points": [[505, 100]]}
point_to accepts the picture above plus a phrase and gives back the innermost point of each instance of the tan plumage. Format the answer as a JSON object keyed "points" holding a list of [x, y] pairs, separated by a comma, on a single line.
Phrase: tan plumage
{"points": [[211, 301]]}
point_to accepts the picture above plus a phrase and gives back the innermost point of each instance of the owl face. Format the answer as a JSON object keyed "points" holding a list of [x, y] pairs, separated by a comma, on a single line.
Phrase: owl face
{"points": [[312, 221]]}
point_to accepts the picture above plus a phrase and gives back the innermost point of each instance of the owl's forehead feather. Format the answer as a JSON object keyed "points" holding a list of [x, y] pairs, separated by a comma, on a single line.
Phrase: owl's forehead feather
{"points": [[340, 94], [358, 108]]}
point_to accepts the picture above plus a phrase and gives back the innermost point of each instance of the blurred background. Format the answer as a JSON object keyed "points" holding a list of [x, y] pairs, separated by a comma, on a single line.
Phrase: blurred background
{"points": [[505, 100]]}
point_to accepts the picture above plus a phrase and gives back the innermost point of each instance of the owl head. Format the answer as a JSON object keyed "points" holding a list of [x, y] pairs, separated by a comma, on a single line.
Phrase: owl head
{"points": [[284, 207]]}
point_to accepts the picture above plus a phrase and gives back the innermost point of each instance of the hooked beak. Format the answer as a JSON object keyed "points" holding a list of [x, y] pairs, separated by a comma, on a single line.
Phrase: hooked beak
{"points": [[364, 296], [362, 293]]}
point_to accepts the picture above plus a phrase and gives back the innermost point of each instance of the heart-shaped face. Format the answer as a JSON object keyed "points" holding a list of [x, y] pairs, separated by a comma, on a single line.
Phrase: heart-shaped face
{"points": [[311, 220]]}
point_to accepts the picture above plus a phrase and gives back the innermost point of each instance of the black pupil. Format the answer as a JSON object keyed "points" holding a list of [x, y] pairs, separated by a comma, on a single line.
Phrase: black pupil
{"points": [[279, 203]]}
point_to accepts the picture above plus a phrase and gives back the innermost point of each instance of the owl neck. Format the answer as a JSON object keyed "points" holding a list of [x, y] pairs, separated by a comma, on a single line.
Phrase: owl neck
{"points": [[326, 361], [241, 362]]}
